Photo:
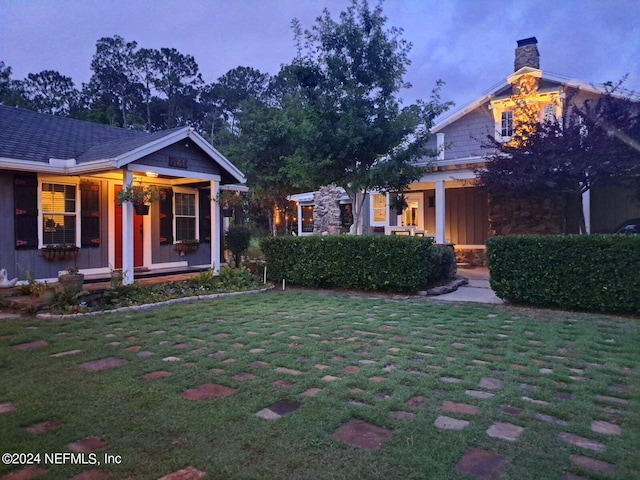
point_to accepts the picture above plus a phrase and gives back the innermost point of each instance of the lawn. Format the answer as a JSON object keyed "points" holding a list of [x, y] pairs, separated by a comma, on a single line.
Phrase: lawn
{"points": [[451, 388]]}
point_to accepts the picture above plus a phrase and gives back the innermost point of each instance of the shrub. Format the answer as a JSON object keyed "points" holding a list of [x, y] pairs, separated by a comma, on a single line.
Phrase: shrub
{"points": [[385, 263], [237, 239], [591, 272]]}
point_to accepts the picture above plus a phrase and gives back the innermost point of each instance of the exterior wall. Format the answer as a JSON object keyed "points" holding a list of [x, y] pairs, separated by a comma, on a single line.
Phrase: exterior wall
{"points": [[611, 206], [466, 213], [462, 138], [190, 159]]}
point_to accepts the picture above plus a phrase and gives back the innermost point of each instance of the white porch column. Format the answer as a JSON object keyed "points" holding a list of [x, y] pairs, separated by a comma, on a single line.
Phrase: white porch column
{"points": [[586, 210], [440, 212], [299, 207], [215, 226], [127, 232]]}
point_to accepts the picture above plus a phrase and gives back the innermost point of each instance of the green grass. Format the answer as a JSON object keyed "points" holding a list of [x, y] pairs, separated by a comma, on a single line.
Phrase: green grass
{"points": [[157, 432]]}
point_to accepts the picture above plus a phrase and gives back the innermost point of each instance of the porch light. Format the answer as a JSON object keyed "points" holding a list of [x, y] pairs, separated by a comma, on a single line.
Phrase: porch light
{"points": [[151, 174]]}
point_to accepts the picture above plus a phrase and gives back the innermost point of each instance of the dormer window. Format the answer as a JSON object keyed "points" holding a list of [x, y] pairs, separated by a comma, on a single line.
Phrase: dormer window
{"points": [[507, 124]]}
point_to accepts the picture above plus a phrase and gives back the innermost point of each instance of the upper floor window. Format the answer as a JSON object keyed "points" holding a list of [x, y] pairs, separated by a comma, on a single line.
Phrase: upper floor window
{"points": [[59, 213], [507, 124], [185, 216]]}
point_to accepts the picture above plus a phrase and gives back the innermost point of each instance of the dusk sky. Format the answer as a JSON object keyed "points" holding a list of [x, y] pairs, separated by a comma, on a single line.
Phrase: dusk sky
{"points": [[467, 43]]}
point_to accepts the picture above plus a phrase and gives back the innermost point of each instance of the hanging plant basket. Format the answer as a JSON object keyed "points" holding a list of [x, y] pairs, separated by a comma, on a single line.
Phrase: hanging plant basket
{"points": [[53, 253], [227, 212], [141, 208]]}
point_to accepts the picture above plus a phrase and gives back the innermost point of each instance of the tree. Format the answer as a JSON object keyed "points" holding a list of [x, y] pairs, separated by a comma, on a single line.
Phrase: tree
{"points": [[178, 79], [50, 92], [355, 133], [113, 82], [11, 91], [595, 142]]}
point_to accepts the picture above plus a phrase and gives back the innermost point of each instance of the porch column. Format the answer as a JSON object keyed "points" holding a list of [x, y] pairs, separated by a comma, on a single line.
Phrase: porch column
{"points": [[586, 210], [440, 212], [440, 145], [127, 232], [299, 207], [214, 188]]}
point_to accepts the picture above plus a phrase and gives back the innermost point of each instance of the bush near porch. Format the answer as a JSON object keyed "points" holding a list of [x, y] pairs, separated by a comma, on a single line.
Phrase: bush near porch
{"points": [[379, 263], [588, 272]]}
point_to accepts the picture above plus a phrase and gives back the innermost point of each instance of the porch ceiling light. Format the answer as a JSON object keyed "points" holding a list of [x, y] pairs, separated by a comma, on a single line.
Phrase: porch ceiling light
{"points": [[151, 174]]}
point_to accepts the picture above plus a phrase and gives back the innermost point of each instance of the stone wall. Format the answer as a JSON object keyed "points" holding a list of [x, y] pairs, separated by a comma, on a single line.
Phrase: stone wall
{"points": [[326, 212], [543, 215]]}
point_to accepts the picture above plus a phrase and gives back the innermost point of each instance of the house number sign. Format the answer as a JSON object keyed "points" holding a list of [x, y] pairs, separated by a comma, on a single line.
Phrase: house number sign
{"points": [[178, 162]]}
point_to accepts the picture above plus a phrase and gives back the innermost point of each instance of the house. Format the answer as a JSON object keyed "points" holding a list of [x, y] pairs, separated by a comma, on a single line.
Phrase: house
{"points": [[446, 204], [59, 182]]}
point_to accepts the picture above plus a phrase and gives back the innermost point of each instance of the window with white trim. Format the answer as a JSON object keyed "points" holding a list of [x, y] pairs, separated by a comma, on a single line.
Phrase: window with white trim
{"points": [[378, 209], [59, 213], [185, 216], [506, 129]]}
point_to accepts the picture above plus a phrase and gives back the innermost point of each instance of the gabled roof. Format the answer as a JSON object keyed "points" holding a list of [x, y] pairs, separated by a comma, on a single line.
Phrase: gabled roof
{"points": [[499, 88], [73, 146]]}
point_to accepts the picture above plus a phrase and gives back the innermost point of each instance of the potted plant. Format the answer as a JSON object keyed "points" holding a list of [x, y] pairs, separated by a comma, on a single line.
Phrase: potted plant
{"points": [[229, 200], [398, 203], [188, 246], [72, 280], [140, 196]]}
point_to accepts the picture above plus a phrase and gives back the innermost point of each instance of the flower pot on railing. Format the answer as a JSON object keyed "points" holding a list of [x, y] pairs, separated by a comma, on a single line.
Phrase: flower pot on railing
{"points": [[141, 209]]}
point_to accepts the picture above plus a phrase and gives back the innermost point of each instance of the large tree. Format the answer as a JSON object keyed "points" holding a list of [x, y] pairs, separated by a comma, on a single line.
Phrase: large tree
{"points": [[355, 132], [51, 92], [594, 142]]}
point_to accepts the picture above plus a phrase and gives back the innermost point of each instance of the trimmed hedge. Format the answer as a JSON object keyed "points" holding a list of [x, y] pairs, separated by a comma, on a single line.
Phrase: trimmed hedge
{"points": [[589, 272], [383, 263]]}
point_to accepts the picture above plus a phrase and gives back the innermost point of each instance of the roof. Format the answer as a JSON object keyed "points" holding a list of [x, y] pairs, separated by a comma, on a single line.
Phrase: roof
{"points": [[67, 145]]}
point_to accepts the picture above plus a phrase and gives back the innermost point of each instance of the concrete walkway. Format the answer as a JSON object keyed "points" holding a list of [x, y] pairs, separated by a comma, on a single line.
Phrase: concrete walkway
{"points": [[477, 290]]}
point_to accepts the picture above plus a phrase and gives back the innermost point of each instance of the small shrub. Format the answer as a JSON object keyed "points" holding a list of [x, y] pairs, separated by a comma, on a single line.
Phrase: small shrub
{"points": [[237, 239], [590, 272]]}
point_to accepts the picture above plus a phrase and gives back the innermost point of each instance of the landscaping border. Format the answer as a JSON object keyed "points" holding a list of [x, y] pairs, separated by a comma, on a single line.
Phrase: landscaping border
{"points": [[145, 306]]}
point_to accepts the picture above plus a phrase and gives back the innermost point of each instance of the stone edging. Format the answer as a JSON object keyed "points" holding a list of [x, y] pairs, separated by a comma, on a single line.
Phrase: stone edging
{"points": [[52, 316]]}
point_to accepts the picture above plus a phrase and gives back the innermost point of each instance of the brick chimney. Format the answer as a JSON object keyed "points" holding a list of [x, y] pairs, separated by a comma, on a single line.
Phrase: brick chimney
{"points": [[527, 54]]}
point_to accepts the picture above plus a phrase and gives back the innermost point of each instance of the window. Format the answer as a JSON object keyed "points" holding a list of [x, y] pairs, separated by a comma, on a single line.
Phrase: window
{"points": [[379, 208], [59, 215], [307, 219], [185, 216], [507, 124]]}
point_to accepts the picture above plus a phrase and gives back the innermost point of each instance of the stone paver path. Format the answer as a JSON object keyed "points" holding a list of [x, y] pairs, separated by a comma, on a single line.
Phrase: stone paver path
{"points": [[363, 435]]}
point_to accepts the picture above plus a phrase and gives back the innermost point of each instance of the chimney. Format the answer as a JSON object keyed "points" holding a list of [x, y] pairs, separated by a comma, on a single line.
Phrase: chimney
{"points": [[527, 54]]}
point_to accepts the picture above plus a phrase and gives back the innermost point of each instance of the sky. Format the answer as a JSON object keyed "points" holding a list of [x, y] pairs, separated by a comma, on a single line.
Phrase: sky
{"points": [[469, 44]]}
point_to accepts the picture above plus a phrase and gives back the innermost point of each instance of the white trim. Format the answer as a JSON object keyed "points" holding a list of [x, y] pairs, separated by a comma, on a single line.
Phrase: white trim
{"points": [[59, 180], [187, 174], [374, 223], [186, 191], [160, 266]]}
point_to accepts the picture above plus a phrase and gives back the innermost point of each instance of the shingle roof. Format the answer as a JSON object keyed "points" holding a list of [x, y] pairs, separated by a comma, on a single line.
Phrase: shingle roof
{"points": [[28, 135]]}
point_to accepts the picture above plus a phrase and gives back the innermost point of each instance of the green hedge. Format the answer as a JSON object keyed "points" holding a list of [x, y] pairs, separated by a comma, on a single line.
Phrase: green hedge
{"points": [[384, 263], [591, 272]]}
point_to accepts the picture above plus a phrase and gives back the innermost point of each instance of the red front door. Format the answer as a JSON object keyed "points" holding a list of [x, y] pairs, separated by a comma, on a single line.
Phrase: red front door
{"points": [[138, 233]]}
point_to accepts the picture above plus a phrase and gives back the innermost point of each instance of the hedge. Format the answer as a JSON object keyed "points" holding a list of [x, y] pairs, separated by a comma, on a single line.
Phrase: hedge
{"points": [[586, 272], [380, 263]]}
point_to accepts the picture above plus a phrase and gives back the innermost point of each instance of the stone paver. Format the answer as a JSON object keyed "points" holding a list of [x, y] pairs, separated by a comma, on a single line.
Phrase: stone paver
{"points": [[288, 371], [608, 399], [155, 375], [400, 415], [416, 402], [592, 465], [92, 475], [505, 431], [38, 344], [244, 377], [279, 410], [312, 392], [259, 364], [478, 394], [282, 384], [208, 391], [551, 419], [452, 407], [7, 407], [450, 380], [88, 445], [510, 410], [44, 427], [329, 378], [606, 428], [188, 473], [448, 423], [363, 435], [481, 464], [490, 383], [26, 473], [581, 442], [103, 364]]}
